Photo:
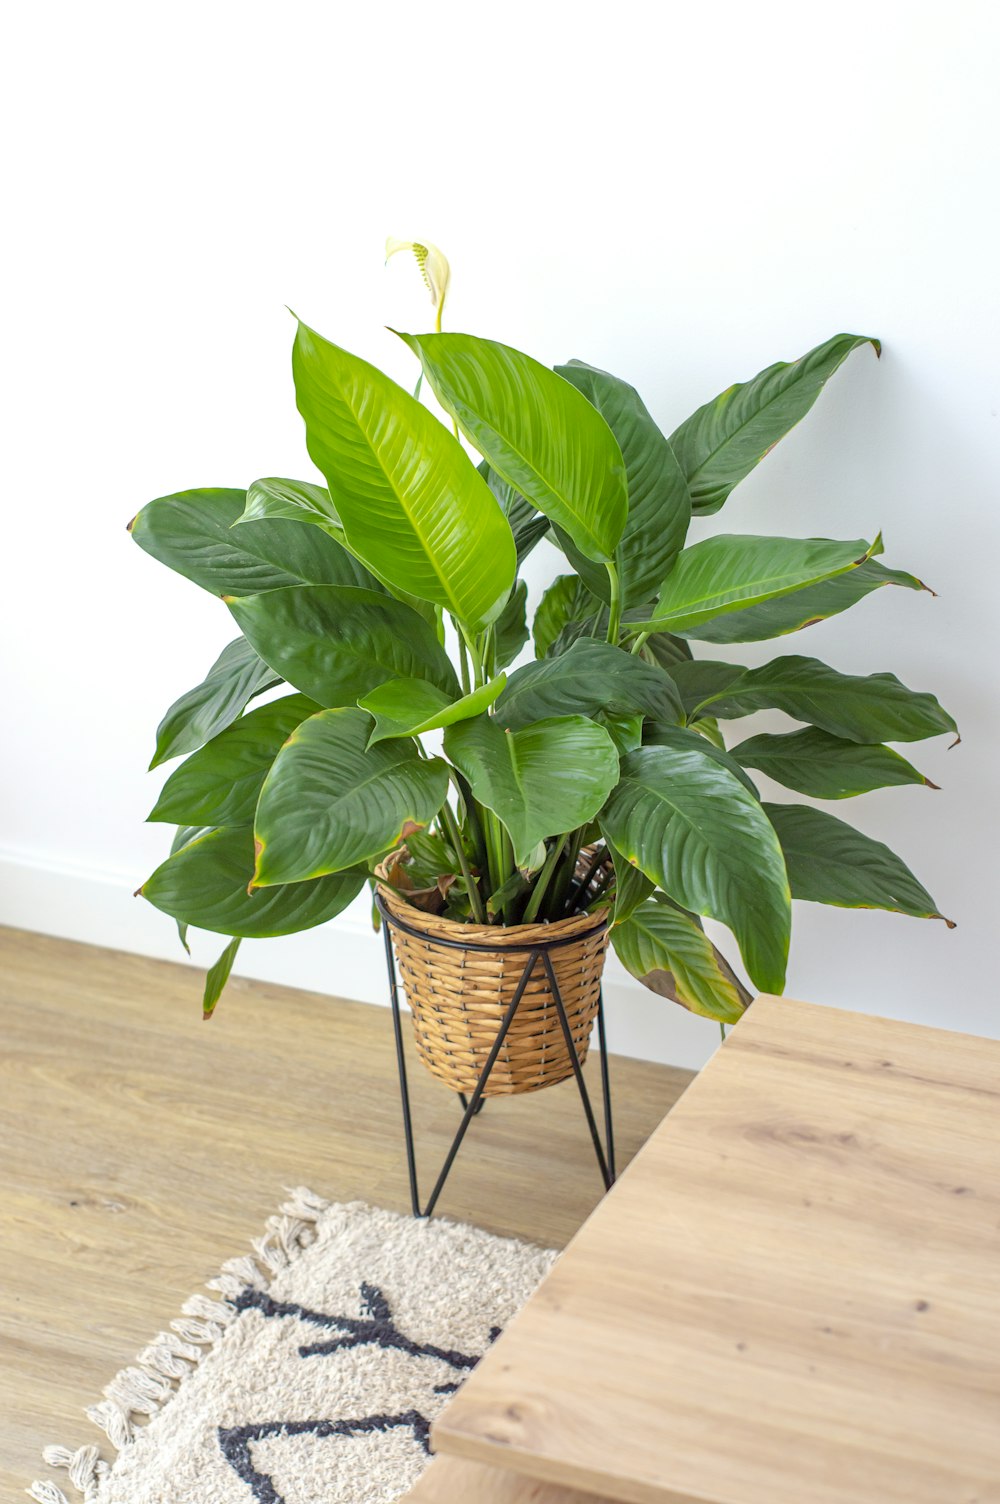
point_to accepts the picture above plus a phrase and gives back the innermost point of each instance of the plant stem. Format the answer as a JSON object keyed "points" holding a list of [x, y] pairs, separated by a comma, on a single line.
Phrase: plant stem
{"points": [[456, 840], [567, 867], [640, 641], [463, 663], [722, 1030], [544, 878], [474, 654], [615, 613], [599, 858]]}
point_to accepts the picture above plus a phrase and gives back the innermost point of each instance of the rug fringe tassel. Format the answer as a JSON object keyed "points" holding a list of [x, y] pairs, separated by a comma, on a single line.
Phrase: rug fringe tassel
{"points": [[144, 1387]]}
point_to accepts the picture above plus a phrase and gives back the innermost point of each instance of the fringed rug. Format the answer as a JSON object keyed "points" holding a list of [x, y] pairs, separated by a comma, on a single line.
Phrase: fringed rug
{"points": [[313, 1373]]}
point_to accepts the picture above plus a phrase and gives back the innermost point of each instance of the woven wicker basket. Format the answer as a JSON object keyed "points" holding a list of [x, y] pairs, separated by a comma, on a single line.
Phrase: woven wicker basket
{"points": [[458, 996]]}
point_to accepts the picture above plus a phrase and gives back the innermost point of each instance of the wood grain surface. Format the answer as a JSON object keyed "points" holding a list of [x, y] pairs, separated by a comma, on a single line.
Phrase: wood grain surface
{"points": [[457, 1480], [140, 1147], [791, 1297]]}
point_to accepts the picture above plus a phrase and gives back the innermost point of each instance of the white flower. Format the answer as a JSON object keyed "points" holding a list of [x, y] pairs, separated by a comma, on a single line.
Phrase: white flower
{"points": [[433, 266]]}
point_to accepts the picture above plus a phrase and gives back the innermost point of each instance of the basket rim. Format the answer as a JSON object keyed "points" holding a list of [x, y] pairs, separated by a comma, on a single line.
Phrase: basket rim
{"points": [[486, 937]]}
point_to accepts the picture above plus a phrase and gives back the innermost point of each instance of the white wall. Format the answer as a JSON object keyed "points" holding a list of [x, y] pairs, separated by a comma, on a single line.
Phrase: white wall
{"points": [[681, 194]]}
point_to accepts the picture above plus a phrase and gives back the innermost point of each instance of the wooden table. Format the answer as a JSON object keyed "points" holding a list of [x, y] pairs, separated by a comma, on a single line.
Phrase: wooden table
{"points": [[792, 1296]]}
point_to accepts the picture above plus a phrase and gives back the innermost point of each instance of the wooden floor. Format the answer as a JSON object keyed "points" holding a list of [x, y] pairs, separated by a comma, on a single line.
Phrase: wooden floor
{"points": [[140, 1147]]}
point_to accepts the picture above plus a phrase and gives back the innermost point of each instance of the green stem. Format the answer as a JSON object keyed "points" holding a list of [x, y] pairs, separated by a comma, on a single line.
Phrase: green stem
{"points": [[544, 878], [722, 1030], [615, 613], [640, 641], [475, 655], [463, 663], [567, 867], [451, 824]]}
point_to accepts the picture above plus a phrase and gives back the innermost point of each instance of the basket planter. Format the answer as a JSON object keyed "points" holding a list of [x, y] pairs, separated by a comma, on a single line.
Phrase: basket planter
{"points": [[460, 981]]}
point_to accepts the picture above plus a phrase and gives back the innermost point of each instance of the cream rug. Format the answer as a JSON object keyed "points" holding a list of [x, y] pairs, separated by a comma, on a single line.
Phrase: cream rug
{"points": [[313, 1373]]}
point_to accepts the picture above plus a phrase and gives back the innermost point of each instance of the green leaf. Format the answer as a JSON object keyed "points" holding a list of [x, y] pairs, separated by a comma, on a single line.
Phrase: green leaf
{"points": [[632, 887], [330, 801], [205, 884], [410, 501], [624, 730], [182, 835], [298, 500], [528, 525], [541, 781], [683, 738], [876, 708], [826, 767], [804, 608], [723, 441], [670, 953], [201, 713], [567, 599], [537, 432], [659, 503], [732, 571], [337, 643], [699, 681], [693, 828], [589, 677], [193, 533], [510, 630], [219, 784], [667, 650], [409, 707], [830, 862], [216, 978]]}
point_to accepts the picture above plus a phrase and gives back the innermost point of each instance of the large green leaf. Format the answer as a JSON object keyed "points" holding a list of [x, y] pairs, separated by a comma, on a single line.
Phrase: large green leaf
{"points": [[830, 862], [875, 708], [409, 707], [723, 441], [733, 570], [330, 801], [659, 502], [219, 784], [804, 608], [813, 762], [537, 432], [541, 781], [510, 630], [566, 600], [670, 954], [336, 643], [205, 884], [588, 677], [693, 828], [411, 503], [230, 684], [193, 533], [682, 738]]}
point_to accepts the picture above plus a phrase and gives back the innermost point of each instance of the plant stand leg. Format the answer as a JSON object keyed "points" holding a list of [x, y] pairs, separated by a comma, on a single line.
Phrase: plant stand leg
{"points": [[404, 1090], [588, 1111], [609, 1128]]}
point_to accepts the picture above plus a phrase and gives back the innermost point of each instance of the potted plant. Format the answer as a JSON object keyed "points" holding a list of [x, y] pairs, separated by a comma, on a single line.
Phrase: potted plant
{"points": [[490, 804]]}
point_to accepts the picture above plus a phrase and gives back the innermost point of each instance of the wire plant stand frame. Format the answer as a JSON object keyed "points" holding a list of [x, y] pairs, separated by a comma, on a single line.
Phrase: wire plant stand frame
{"points": [[537, 953]]}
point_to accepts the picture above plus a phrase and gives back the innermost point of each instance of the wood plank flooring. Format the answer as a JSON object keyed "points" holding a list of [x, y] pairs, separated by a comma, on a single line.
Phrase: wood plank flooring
{"points": [[140, 1147]]}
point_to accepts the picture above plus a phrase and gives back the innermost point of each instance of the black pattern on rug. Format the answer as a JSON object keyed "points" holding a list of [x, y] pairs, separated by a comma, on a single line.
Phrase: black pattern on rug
{"points": [[375, 1327]]}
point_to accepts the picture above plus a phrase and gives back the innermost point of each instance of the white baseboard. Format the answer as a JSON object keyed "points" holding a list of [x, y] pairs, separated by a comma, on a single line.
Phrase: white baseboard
{"points": [[343, 958]]}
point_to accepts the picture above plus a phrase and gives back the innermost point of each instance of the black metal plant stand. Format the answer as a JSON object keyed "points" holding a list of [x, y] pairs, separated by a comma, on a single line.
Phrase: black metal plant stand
{"points": [[537, 952]]}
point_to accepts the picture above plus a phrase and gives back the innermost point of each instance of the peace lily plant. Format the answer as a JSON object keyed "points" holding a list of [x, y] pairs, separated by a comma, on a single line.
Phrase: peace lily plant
{"points": [[386, 602]]}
